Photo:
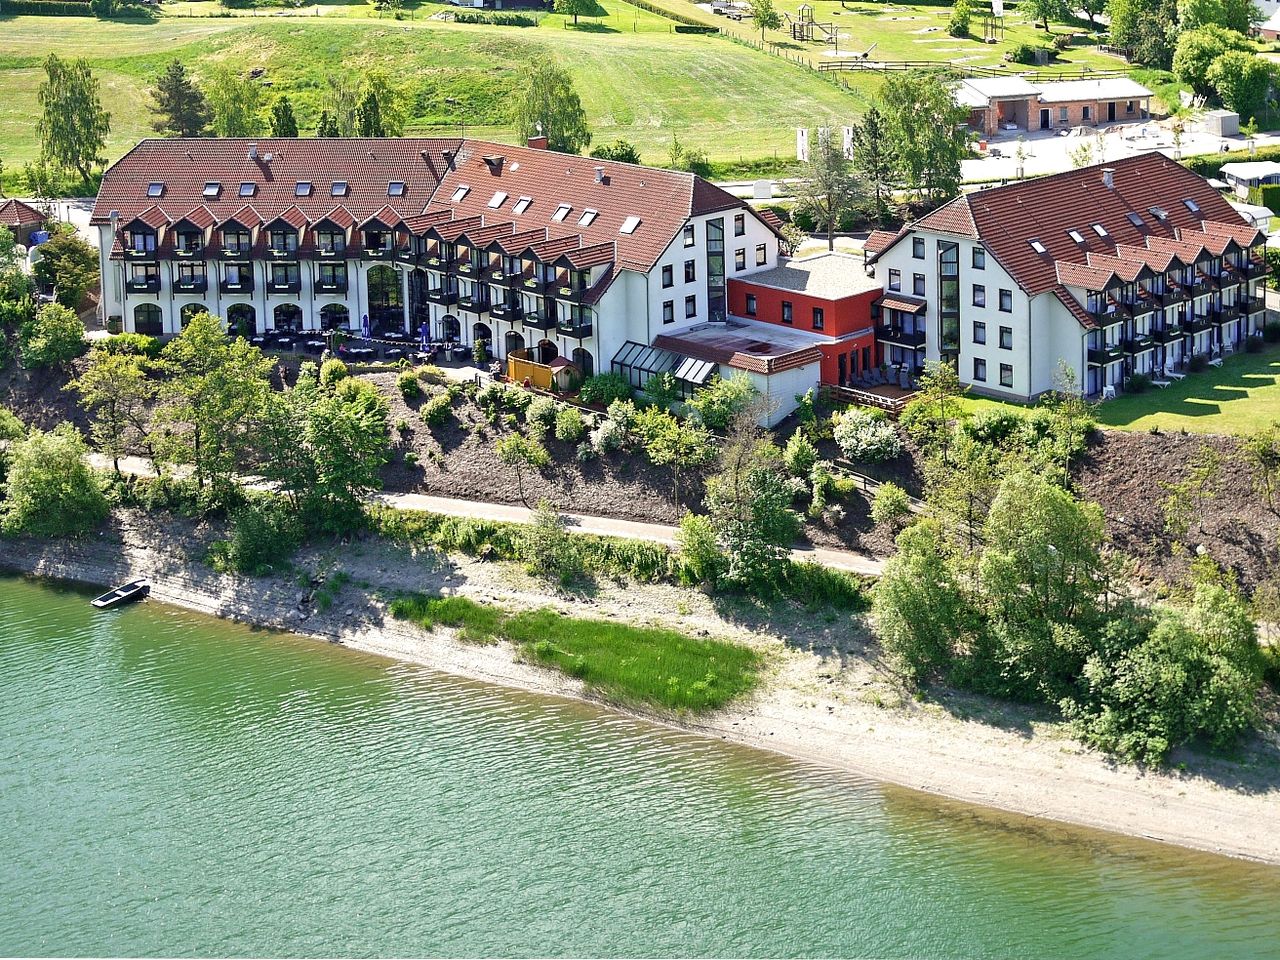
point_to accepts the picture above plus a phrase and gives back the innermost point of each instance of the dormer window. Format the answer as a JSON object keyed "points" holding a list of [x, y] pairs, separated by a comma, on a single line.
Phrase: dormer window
{"points": [[460, 194], [329, 240], [1100, 230], [302, 188], [521, 205], [395, 188], [497, 200], [212, 189], [283, 240], [1191, 205], [190, 241], [142, 240], [235, 240], [629, 225], [1037, 246], [1075, 235], [562, 211], [588, 216], [155, 190], [248, 189], [338, 188]]}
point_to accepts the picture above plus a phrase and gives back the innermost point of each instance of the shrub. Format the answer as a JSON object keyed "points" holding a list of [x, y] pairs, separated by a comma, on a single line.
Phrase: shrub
{"points": [[921, 421], [608, 436], [994, 426], [131, 344], [409, 386], [866, 437], [435, 412], [799, 455], [722, 400], [1198, 363], [432, 374], [700, 554], [54, 336], [604, 388], [569, 425], [814, 585], [14, 313], [1137, 383], [890, 506], [961, 14], [49, 489], [541, 415], [1253, 344], [264, 535], [548, 548], [331, 371], [623, 413], [662, 390]]}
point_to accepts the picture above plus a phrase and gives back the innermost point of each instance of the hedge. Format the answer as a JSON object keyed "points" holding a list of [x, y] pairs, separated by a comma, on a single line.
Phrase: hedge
{"points": [[46, 8], [1210, 165], [694, 28], [496, 19], [1268, 195]]}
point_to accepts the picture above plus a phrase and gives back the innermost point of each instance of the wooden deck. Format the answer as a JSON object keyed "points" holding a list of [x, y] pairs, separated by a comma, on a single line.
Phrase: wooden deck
{"points": [[885, 397]]}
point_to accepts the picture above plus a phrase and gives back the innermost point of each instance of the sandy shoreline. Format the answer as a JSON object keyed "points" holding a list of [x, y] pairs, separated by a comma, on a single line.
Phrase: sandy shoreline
{"points": [[823, 701]]}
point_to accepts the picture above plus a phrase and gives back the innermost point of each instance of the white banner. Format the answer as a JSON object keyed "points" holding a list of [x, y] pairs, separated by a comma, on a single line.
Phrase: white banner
{"points": [[997, 7], [802, 144], [848, 141]]}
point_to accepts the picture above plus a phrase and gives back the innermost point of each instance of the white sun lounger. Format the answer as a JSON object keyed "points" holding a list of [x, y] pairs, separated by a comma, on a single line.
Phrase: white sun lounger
{"points": [[1161, 384], [1174, 374]]}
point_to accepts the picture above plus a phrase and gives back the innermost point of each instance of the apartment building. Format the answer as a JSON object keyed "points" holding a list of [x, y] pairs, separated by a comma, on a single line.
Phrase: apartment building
{"points": [[537, 253], [1132, 267]]}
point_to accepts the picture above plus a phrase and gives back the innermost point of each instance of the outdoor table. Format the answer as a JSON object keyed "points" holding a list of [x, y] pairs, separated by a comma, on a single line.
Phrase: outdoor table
{"points": [[314, 346], [393, 353], [258, 341], [285, 343]]}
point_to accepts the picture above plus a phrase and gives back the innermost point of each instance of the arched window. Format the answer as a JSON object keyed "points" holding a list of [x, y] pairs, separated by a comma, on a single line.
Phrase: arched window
{"points": [[190, 310], [512, 343], [334, 316], [288, 317], [547, 351], [451, 328], [242, 320], [148, 319], [386, 302], [481, 331], [583, 361]]}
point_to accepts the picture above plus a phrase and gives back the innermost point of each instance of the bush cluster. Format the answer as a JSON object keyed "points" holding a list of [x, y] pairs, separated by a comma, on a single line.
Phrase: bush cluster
{"points": [[866, 436]]}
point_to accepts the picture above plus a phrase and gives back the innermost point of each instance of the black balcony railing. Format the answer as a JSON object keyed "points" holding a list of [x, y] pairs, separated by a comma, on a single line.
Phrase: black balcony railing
{"points": [[243, 285], [143, 284], [133, 253], [473, 304], [191, 284], [900, 337], [331, 286], [539, 320], [577, 329], [284, 286], [442, 296], [1139, 344], [505, 311], [1169, 333]]}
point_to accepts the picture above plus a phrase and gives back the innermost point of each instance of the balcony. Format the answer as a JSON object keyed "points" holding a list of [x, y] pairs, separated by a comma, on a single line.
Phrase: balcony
{"points": [[133, 253], [336, 285], [242, 285], [474, 305], [442, 296], [282, 253], [900, 337], [1254, 305], [1230, 312], [538, 284], [1198, 286], [143, 284], [377, 253], [539, 320], [1141, 306], [1173, 294], [191, 284], [1139, 344], [284, 286], [1256, 267], [1199, 324], [1170, 333], [1101, 356], [189, 253], [435, 262], [506, 311], [579, 330], [466, 268], [571, 294], [333, 252], [239, 251], [405, 254]]}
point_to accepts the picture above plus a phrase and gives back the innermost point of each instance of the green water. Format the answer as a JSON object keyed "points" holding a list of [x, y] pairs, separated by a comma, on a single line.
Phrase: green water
{"points": [[171, 784]]}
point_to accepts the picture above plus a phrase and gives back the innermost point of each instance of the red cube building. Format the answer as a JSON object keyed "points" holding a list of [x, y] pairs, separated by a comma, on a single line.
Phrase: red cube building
{"points": [[827, 296]]}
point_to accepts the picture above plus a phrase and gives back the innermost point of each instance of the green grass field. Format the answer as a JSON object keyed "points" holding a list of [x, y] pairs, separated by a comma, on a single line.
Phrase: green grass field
{"points": [[1240, 397], [637, 80]]}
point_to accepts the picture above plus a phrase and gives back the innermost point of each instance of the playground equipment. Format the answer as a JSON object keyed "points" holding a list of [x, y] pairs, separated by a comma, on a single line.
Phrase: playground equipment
{"points": [[805, 28]]}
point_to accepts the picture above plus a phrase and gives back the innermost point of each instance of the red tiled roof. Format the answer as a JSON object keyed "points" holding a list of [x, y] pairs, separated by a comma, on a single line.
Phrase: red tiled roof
{"points": [[1158, 260], [340, 217], [898, 301], [550, 249], [1245, 234], [585, 258], [954, 216], [1215, 243], [1087, 275], [450, 230], [881, 240], [246, 216], [201, 217], [740, 359], [386, 216], [517, 243], [483, 236], [1074, 307], [152, 216], [15, 213], [294, 217], [1126, 270], [421, 222]]}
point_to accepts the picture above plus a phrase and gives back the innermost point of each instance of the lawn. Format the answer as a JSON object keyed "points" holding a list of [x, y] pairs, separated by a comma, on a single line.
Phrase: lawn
{"points": [[638, 81], [1240, 397]]}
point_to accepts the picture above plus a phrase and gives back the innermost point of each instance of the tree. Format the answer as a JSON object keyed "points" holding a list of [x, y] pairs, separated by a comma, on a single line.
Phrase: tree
{"points": [[1043, 10], [1091, 9], [14, 282], [873, 162], [53, 337], [764, 16], [826, 187], [518, 452], [1148, 29], [675, 443], [1198, 49], [620, 151], [1261, 453], [343, 101], [1237, 15], [380, 111], [68, 265], [115, 388], [925, 130], [214, 389], [547, 105], [180, 108], [326, 126], [236, 102], [283, 122], [574, 8], [49, 489], [689, 159], [961, 15], [940, 389], [73, 126], [1242, 81]]}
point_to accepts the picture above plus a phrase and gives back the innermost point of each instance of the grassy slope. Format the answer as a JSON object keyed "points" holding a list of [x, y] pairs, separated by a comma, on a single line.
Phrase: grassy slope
{"points": [[641, 85]]}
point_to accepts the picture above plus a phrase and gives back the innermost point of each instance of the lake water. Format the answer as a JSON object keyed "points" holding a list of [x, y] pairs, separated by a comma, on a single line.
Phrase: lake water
{"points": [[172, 784]]}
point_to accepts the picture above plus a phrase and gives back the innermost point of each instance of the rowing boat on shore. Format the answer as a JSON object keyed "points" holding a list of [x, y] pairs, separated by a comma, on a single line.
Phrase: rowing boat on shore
{"points": [[129, 592]]}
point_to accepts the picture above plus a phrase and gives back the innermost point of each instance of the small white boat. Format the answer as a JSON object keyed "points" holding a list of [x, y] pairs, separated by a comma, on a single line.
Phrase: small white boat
{"points": [[129, 592]]}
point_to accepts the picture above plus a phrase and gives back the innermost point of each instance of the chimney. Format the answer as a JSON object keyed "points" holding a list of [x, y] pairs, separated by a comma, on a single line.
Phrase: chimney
{"points": [[494, 162], [448, 157], [599, 174], [1108, 177], [537, 143], [253, 151]]}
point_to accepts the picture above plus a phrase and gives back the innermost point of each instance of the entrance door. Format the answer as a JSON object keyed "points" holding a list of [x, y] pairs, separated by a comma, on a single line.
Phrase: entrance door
{"points": [[842, 365], [1044, 119], [1111, 112]]}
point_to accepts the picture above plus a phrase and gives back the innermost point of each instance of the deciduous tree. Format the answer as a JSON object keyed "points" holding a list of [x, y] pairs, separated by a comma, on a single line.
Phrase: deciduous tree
{"points": [[620, 151], [49, 489], [73, 126], [545, 104], [1242, 81], [53, 337], [283, 122], [765, 17], [1043, 10], [826, 186], [873, 163], [68, 265], [116, 390], [926, 132], [1197, 50], [575, 8], [236, 102]]}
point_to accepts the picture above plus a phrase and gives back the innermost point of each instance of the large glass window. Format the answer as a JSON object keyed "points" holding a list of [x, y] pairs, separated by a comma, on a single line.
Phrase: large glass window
{"points": [[949, 296], [715, 269]]}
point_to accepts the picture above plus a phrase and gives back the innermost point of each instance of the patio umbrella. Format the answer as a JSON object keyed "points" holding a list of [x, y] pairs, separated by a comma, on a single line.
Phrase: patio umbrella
{"points": [[424, 336]]}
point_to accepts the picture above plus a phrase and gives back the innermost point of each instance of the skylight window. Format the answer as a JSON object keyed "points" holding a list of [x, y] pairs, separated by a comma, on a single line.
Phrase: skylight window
{"points": [[629, 225], [395, 188], [155, 190], [460, 193], [1136, 218], [1191, 205], [562, 211], [588, 217], [497, 200], [522, 205], [302, 188], [338, 188], [212, 188], [1037, 246], [1075, 235], [248, 189], [1100, 230]]}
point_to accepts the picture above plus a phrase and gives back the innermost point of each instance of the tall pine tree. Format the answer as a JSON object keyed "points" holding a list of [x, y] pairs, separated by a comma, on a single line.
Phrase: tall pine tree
{"points": [[873, 163], [180, 108], [283, 122]]}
